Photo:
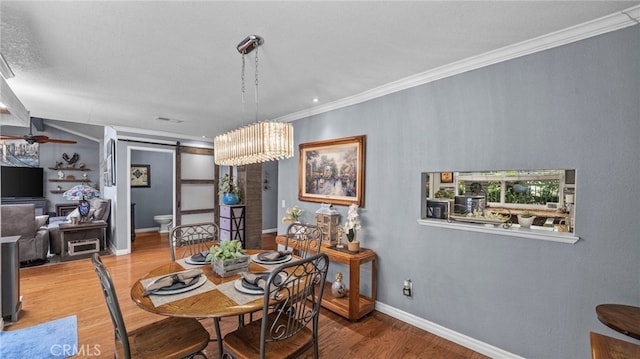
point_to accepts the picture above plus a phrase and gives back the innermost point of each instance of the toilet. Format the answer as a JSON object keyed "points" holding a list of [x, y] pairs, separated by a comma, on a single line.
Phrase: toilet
{"points": [[163, 220]]}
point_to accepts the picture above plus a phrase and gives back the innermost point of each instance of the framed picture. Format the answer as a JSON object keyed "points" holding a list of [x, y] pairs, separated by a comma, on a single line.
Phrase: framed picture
{"points": [[446, 177], [140, 176], [332, 171], [19, 153]]}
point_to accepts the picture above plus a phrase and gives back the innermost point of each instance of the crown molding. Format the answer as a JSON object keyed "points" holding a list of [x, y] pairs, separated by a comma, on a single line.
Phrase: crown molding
{"points": [[605, 24]]}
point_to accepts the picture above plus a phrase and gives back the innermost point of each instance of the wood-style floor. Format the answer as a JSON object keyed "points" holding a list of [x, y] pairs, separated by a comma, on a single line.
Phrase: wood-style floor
{"points": [[71, 288]]}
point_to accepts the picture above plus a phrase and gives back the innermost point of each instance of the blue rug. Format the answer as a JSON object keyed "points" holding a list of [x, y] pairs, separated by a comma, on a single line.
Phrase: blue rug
{"points": [[54, 339]]}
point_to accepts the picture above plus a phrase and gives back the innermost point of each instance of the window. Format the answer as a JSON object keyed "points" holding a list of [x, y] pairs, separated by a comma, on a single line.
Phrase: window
{"points": [[548, 193]]}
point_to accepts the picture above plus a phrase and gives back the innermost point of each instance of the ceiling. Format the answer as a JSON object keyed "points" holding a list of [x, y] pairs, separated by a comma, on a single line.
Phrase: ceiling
{"points": [[125, 63]]}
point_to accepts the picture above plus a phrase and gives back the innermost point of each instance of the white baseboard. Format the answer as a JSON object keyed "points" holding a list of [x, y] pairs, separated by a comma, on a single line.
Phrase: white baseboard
{"points": [[270, 230], [150, 229], [458, 338]]}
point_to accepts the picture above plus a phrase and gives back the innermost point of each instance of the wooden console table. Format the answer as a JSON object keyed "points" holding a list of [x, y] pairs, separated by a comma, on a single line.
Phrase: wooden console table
{"points": [[355, 305], [83, 228]]}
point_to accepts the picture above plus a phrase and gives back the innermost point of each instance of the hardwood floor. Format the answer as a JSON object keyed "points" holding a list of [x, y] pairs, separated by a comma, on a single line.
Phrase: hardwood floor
{"points": [[72, 288]]}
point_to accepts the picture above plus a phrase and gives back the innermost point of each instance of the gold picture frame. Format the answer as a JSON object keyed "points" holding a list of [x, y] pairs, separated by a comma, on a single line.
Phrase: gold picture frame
{"points": [[332, 171]]}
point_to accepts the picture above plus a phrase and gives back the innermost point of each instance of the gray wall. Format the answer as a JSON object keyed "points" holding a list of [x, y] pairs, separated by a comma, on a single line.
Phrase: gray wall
{"points": [[270, 195], [577, 106], [157, 199]]}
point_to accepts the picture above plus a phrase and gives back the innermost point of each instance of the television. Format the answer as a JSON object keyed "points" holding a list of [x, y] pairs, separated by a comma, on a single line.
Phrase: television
{"points": [[21, 182]]}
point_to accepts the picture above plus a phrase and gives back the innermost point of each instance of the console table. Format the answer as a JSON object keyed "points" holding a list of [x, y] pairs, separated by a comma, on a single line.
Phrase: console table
{"points": [[79, 240], [355, 305]]}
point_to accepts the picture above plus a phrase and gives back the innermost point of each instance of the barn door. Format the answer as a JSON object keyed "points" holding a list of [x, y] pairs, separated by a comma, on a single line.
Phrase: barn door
{"points": [[196, 192]]}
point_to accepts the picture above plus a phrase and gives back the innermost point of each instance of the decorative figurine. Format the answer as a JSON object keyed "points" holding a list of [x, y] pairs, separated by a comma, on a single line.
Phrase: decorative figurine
{"points": [[338, 289], [71, 160], [60, 175]]}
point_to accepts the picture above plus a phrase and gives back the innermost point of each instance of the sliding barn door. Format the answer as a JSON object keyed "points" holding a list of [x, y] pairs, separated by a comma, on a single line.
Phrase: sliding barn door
{"points": [[196, 195]]}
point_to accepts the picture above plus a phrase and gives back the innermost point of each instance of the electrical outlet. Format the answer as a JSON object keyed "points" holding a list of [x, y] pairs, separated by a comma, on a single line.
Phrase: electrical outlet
{"points": [[407, 289], [284, 204]]}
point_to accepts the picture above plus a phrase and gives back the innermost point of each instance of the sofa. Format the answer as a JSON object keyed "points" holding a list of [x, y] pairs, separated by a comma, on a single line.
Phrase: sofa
{"points": [[21, 220], [99, 210]]}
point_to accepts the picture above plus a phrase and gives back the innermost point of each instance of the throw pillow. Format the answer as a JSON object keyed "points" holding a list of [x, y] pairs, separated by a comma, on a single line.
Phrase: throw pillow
{"points": [[100, 206], [74, 213], [41, 221]]}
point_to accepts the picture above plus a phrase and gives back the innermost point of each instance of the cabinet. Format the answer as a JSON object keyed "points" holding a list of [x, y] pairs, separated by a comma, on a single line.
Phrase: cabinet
{"points": [[82, 239], [355, 305], [40, 203], [11, 301], [232, 222]]}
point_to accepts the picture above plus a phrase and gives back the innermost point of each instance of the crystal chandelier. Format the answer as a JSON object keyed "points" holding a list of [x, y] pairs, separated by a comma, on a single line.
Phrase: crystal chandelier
{"points": [[259, 141]]}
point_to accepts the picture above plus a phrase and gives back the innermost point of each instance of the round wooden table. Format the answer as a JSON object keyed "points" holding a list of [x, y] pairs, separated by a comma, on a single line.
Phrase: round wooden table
{"points": [[622, 318], [210, 304]]}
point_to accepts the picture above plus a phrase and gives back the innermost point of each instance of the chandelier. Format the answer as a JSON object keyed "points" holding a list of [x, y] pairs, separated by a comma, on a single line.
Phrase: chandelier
{"points": [[260, 141]]}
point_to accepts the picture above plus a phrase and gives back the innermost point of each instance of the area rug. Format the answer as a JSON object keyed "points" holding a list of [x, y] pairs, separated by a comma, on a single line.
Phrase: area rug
{"points": [[54, 339]]}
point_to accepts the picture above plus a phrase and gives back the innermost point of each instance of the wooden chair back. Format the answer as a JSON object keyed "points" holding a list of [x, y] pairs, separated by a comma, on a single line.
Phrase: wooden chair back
{"points": [[303, 239], [189, 239]]}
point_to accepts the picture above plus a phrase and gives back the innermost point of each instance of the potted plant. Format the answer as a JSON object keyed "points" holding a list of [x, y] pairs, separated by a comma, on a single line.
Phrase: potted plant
{"points": [[525, 219], [228, 258], [230, 191], [351, 227]]}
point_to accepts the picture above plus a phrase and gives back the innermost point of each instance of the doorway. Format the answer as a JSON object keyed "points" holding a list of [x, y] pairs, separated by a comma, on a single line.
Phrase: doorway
{"points": [[151, 190]]}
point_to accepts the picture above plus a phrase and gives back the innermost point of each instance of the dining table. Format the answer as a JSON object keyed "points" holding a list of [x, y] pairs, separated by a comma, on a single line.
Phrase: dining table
{"points": [[214, 296]]}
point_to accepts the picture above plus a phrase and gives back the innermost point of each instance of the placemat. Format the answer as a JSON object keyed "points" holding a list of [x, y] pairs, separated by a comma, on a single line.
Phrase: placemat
{"points": [[230, 291], [159, 300], [186, 265]]}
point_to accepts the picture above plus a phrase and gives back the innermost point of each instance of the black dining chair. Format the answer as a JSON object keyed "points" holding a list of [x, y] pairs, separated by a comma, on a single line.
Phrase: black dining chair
{"points": [[173, 337], [290, 314], [189, 239], [303, 239]]}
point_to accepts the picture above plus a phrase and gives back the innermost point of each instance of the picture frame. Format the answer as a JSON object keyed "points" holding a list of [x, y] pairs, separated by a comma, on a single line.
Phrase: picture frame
{"points": [[333, 171], [140, 175], [446, 177]]}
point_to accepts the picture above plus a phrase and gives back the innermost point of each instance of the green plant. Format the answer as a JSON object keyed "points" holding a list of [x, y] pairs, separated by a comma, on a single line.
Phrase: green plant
{"points": [[228, 185], [226, 250], [527, 214], [443, 193]]}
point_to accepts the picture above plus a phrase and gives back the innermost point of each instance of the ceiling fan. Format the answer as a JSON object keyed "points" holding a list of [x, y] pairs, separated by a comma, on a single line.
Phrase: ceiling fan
{"points": [[31, 138]]}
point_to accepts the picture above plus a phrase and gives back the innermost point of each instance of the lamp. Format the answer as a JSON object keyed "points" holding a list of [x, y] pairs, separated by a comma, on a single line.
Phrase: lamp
{"points": [[257, 142], [81, 193]]}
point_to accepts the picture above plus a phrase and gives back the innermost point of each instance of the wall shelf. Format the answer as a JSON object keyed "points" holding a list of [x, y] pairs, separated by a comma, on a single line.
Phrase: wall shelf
{"points": [[70, 180], [69, 169], [58, 191]]}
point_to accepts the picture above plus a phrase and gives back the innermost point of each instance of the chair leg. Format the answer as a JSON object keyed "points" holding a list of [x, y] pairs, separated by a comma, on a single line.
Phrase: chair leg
{"points": [[216, 325]]}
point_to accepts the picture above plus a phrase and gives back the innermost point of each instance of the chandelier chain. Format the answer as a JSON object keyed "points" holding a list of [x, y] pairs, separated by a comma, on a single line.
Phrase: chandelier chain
{"points": [[256, 93], [242, 89]]}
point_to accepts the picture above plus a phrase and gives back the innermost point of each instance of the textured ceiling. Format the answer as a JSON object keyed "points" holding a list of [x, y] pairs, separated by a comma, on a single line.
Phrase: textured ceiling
{"points": [[125, 63]]}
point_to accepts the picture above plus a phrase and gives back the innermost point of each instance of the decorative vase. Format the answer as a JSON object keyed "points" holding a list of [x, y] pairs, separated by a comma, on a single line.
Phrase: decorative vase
{"points": [[338, 289], [525, 222], [354, 246], [230, 198]]}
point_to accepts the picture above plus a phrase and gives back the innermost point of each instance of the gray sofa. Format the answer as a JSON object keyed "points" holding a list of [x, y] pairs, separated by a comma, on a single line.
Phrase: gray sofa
{"points": [[100, 208], [20, 220]]}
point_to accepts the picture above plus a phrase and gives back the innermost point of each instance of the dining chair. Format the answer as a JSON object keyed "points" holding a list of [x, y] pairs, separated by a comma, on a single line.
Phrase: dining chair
{"points": [[290, 314], [303, 239], [173, 337], [189, 239]]}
